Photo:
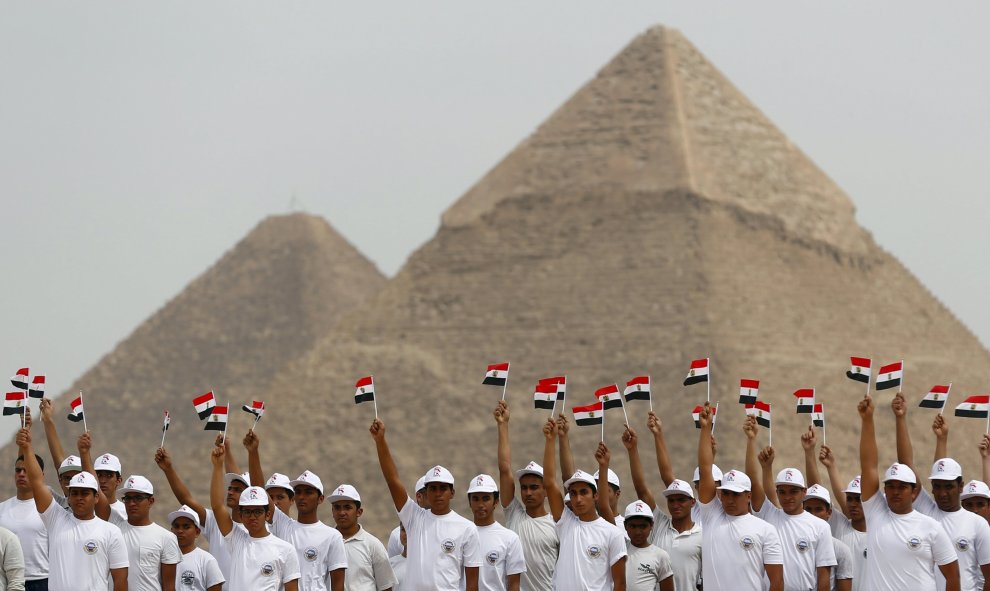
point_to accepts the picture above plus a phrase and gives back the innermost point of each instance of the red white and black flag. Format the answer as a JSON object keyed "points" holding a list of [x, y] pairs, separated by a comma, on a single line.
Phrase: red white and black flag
{"points": [[76, 410], [975, 407], [593, 414], [748, 391], [890, 376], [760, 410], [698, 372], [37, 388], [609, 397], [696, 415], [859, 370], [166, 421], [638, 388], [14, 403], [257, 408], [560, 382], [217, 420], [20, 379], [204, 405], [364, 390], [805, 400], [936, 397], [496, 374], [545, 396], [818, 415]]}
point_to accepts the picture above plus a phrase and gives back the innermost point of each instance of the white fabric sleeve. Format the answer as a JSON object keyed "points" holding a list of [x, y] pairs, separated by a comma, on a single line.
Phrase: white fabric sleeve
{"points": [[116, 550], [409, 513], [212, 575], [616, 546], [394, 543], [170, 552], [291, 572], [381, 568], [515, 560], [825, 549], [982, 542], [942, 549], [773, 551], [471, 548], [336, 554]]}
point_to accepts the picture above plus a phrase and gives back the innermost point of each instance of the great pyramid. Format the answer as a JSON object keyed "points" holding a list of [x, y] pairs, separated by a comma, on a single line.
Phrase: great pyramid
{"points": [[262, 305]]}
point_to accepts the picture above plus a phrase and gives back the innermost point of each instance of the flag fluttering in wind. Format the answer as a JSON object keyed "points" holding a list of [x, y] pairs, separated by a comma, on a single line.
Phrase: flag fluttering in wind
{"points": [[166, 421], [818, 415], [496, 375], [14, 403], [889, 376], [748, 391], [609, 397], [76, 410], [364, 390], [936, 397], [545, 396], [217, 420], [20, 379], [974, 407], [204, 405], [860, 369], [760, 410], [257, 408], [592, 414], [696, 415], [638, 388], [805, 400], [37, 387], [560, 382], [698, 372]]}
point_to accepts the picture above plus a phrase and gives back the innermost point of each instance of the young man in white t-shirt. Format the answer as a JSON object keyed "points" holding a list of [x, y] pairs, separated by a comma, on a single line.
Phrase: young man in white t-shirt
{"points": [[809, 554], [83, 552], [20, 515], [526, 515], [592, 550], [68, 466], [502, 551], [108, 471], [280, 491], [818, 503], [904, 547], [739, 548], [395, 546], [198, 570], [368, 567], [442, 546], [611, 493], [969, 533], [259, 561]]}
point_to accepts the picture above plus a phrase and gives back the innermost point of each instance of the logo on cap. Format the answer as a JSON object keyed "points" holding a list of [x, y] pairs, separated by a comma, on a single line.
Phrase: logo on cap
{"points": [[531, 465], [855, 481], [340, 491], [447, 546], [788, 476], [972, 487], [893, 470], [104, 459], [639, 506], [252, 494], [940, 466], [594, 551], [492, 558], [130, 482], [90, 547], [436, 471], [730, 476]]}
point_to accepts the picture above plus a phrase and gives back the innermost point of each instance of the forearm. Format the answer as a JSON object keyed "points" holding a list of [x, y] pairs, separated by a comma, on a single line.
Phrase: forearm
{"points": [[768, 486], [905, 451], [639, 478], [566, 459], [869, 479], [941, 447], [391, 474], [257, 475], [663, 459], [54, 443], [506, 479], [824, 580], [811, 467], [838, 494]]}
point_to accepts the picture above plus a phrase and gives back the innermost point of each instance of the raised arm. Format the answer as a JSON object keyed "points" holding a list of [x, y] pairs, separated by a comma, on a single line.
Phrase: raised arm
{"points": [[51, 433], [905, 451], [252, 443], [566, 458], [218, 498], [506, 480], [229, 461], [984, 448], [706, 484], [766, 474], [36, 478], [655, 425], [85, 445], [554, 496], [940, 427], [631, 442], [603, 457], [179, 489], [869, 479], [808, 443], [827, 458], [389, 471], [752, 463]]}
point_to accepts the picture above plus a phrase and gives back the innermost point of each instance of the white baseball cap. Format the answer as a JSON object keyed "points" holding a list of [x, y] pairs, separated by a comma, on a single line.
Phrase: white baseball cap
{"points": [[278, 480], [138, 484], [900, 473], [184, 511], [253, 496], [736, 481], [638, 509], [421, 483], [855, 486], [345, 492], [310, 479], [975, 488], [946, 469], [817, 491], [483, 483], [581, 476], [716, 474], [613, 478], [531, 468], [230, 477], [108, 462], [790, 476], [70, 464], [678, 487], [84, 480], [439, 474]]}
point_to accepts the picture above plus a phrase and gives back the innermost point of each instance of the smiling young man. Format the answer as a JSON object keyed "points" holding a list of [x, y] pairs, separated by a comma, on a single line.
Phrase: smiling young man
{"points": [[368, 567], [904, 547], [502, 551], [20, 515], [526, 515], [198, 570]]}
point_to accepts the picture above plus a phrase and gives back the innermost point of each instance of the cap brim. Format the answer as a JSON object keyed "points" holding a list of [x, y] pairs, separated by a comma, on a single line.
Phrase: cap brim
{"points": [[521, 473], [734, 488], [674, 493]]}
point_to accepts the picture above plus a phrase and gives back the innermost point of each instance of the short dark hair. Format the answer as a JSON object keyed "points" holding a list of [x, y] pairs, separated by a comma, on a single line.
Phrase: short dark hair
{"points": [[41, 462]]}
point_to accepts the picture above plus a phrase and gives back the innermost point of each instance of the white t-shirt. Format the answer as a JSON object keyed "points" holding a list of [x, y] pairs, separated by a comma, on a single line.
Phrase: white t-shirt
{"points": [[148, 548], [646, 567], [394, 543], [903, 551], [843, 563], [806, 541], [260, 564], [684, 548], [438, 548], [119, 508], [319, 549], [398, 564], [843, 530], [368, 568], [588, 550], [736, 548], [81, 552], [502, 555], [970, 537], [198, 571], [21, 518], [538, 536]]}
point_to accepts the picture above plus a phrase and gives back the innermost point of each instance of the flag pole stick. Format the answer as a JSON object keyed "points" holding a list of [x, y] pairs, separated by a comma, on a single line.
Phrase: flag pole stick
{"points": [[505, 384], [85, 428], [946, 403], [554, 407], [901, 383], [714, 417], [813, 398], [563, 403], [824, 441], [708, 382], [603, 424], [374, 399], [771, 429], [622, 399], [164, 431], [868, 378], [225, 423], [650, 381]]}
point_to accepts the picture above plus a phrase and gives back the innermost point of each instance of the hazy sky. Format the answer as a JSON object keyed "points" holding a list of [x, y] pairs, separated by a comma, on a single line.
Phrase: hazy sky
{"points": [[139, 142]]}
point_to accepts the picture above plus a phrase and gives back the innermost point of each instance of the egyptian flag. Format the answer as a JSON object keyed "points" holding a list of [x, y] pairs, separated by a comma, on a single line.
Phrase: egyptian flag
{"points": [[257, 408], [14, 404], [805, 400], [889, 376], [976, 407], [696, 415], [166, 422], [217, 420], [560, 382], [20, 379], [204, 405], [935, 398], [365, 390], [748, 391], [860, 369], [760, 410], [638, 388], [593, 414], [76, 410], [496, 374], [818, 415], [37, 389], [609, 397], [698, 372], [545, 396]]}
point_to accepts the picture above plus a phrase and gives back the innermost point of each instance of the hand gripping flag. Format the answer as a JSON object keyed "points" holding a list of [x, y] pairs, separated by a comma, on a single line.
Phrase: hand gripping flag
{"points": [[935, 398], [696, 415], [975, 407], [760, 410], [217, 420], [638, 388], [805, 400], [204, 405], [593, 414], [748, 391], [257, 408], [889, 376], [37, 388], [545, 396], [698, 372], [496, 374], [560, 382], [818, 415], [20, 379], [14, 403], [860, 369], [609, 397], [76, 410]]}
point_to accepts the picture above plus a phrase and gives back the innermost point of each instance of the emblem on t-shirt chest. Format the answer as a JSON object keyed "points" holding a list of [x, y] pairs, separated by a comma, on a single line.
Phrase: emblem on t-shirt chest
{"points": [[90, 547], [914, 542], [310, 554], [267, 569], [803, 546], [746, 543], [492, 558], [962, 544], [447, 546], [187, 578], [594, 551]]}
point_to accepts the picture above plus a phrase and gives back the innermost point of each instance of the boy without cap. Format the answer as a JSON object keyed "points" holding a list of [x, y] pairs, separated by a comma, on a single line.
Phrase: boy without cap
{"points": [[198, 570], [502, 551], [368, 567], [443, 546], [526, 515]]}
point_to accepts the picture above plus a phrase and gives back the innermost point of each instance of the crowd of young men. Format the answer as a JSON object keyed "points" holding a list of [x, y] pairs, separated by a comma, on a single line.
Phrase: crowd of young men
{"points": [[745, 529]]}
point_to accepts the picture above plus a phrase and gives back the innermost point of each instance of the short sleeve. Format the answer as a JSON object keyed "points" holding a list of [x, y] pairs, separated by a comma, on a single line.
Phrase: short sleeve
{"points": [[661, 519], [616, 546], [282, 524], [773, 551], [212, 575], [116, 550], [291, 572], [471, 548], [664, 569], [839, 524], [925, 504], [825, 549], [943, 552], [381, 567], [54, 516], [336, 553], [515, 560], [982, 542], [394, 543], [409, 513], [170, 552], [875, 508]]}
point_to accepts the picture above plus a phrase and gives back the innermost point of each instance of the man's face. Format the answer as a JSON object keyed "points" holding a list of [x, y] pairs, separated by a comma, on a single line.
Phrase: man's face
{"points": [[439, 495], [790, 498], [254, 518], [679, 506], [946, 493], [638, 529], [109, 481], [613, 498], [281, 498], [978, 505], [818, 508], [307, 499], [138, 505], [900, 496], [583, 499], [531, 491], [82, 501], [735, 503], [483, 506], [854, 504], [185, 531], [346, 513], [20, 478], [234, 490]]}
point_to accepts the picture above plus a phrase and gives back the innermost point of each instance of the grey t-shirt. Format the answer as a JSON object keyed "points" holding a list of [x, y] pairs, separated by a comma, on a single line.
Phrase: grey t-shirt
{"points": [[540, 546]]}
